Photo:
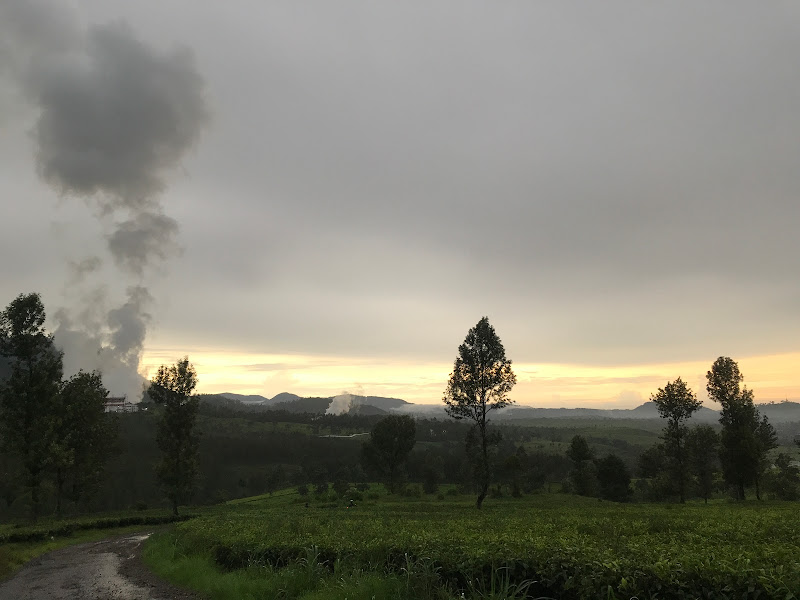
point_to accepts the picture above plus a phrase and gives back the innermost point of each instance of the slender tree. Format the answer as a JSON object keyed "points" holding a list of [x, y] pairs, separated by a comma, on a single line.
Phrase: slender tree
{"points": [[480, 383], [676, 403], [745, 438], [388, 447], [177, 470], [28, 395]]}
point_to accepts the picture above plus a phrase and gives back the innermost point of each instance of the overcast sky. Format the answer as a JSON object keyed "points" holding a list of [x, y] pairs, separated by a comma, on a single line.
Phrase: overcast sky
{"points": [[319, 197]]}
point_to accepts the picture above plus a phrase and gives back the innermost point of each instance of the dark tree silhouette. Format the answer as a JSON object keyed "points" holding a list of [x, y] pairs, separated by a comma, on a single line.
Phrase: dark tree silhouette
{"points": [[583, 475], [613, 478], [177, 470], [746, 438], [480, 382], [702, 448], [28, 395], [85, 437], [676, 403], [389, 445]]}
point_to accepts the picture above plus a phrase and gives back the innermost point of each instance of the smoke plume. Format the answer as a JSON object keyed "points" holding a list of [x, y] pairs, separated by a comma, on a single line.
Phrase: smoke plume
{"points": [[115, 118]]}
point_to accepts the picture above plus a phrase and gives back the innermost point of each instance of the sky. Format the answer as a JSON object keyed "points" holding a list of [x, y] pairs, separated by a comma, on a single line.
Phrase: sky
{"points": [[324, 197]]}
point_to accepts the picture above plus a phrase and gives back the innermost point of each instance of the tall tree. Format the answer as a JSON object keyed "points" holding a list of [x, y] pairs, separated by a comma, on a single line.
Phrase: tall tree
{"points": [[85, 437], [676, 403], [388, 447], [177, 470], [766, 440], [480, 383], [745, 438], [702, 449], [613, 478], [28, 395], [583, 474]]}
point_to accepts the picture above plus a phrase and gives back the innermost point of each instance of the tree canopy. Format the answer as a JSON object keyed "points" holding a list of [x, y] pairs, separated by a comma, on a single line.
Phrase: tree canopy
{"points": [[390, 442], [676, 403], [480, 382], [176, 437]]}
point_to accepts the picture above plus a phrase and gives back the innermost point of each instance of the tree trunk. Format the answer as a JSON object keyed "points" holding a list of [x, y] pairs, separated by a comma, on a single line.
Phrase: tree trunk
{"points": [[175, 507], [485, 466], [482, 495], [59, 490]]}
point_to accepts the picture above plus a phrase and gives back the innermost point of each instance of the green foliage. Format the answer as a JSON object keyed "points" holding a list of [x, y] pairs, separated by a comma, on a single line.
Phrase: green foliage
{"points": [[177, 470], [702, 445], [29, 395], [676, 403], [613, 479], [480, 382], [746, 438], [583, 477], [566, 549], [388, 447], [85, 437], [783, 481]]}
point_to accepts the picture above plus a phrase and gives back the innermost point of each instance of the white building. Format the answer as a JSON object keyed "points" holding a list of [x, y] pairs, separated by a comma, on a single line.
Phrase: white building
{"points": [[120, 405]]}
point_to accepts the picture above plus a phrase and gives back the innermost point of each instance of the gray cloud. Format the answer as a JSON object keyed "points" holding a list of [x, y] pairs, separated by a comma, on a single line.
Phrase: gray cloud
{"points": [[146, 238], [609, 184], [115, 116]]}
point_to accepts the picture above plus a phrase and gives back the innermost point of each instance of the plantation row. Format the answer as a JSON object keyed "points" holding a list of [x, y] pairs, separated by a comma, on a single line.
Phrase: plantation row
{"points": [[586, 549]]}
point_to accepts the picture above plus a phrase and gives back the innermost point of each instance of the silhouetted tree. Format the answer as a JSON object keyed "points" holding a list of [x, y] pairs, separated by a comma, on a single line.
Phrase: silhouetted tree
{"points": [[388, 447], [613, 478], [84, 438], [784, 480], [702, 450], [766, 440], [745, 438], [583, 475], [480, 382], [676, 403], [29, 394], [177, 470]]}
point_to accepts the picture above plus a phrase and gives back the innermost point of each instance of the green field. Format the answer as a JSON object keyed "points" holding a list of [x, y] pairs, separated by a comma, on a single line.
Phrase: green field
{"points": [[553, 545]]}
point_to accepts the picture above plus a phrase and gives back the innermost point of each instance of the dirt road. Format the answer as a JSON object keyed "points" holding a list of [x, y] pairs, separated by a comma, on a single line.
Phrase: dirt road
{"points": [[108, 570]]}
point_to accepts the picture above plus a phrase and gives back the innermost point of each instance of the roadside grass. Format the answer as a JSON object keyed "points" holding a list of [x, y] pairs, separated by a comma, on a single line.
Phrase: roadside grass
{"points": [[308, 578]]}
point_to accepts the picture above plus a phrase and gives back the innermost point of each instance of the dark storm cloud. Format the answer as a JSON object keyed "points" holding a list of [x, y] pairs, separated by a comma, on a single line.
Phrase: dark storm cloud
{"points": [[115, 119]]}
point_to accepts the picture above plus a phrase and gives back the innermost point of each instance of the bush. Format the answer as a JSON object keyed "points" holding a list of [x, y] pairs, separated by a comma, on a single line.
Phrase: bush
{"points": [[353, 494], [413, 491]]}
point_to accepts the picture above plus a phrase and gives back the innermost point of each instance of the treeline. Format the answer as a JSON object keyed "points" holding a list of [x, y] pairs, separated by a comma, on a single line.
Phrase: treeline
{"points": [[54, 435]]}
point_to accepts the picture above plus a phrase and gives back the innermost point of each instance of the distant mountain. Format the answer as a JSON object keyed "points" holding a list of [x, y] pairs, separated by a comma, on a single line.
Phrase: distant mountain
{"points": [[246, 399], [777, 412], [302, 405], [780, 412], [366, 409], [284, 397]]}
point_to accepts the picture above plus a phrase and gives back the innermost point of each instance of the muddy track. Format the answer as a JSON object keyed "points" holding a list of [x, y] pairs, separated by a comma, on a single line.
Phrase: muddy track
{"points": [[111, 569]]}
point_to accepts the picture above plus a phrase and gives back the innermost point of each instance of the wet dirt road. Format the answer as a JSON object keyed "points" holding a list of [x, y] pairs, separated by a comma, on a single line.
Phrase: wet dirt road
{"points": [[107, 570]]}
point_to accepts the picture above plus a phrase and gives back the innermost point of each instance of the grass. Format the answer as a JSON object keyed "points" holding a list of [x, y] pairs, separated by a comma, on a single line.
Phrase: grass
{"points": [[546, 545]]}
